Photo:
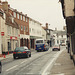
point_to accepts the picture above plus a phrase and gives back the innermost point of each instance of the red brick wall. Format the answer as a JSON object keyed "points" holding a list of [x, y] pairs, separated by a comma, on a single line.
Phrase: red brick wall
{"points": [[21, 22]]}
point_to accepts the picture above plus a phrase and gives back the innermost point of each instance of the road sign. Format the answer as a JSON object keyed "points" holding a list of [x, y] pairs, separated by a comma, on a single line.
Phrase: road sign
{"points": [[2, 33]]}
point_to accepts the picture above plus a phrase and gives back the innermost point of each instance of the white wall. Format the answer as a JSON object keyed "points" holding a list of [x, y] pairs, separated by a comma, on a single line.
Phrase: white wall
{"points": [[35, 28], [43, 34]]}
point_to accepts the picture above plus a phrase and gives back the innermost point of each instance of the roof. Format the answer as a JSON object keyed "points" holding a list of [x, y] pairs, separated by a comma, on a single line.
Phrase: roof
{"points": [[60, 32], [9, 21]]}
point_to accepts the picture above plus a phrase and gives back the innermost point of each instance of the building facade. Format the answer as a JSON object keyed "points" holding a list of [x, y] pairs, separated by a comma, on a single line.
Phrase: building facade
{"points": [[68, 8], [60, 37], [35, 29], [23, 22], [9, 30]]}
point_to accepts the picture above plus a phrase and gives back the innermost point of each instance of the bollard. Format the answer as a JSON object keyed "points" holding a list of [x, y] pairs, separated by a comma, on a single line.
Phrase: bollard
{"points": [[8, 52]]}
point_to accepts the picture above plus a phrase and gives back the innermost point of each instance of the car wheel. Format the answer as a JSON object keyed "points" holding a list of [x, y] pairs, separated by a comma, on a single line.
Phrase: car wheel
{"points": [[37, 50], [59, 49], [0, 68], [14, 57], [30, 55], [27, 55]]}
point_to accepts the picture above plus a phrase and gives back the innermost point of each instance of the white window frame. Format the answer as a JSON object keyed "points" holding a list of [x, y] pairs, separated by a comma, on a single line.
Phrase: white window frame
{"points": [[24, 28], [17, 15], [21, 27], [27, 29], [21, 17]]}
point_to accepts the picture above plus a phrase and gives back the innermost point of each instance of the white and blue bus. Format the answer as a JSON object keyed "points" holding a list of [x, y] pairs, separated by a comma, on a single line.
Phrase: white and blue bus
{"points": [[41, 45]]}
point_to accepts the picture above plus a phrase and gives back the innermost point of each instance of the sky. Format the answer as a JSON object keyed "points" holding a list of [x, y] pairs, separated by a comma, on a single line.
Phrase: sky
{"points": [[44, 11]]}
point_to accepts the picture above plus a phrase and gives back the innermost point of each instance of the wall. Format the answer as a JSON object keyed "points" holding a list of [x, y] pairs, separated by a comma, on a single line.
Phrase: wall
{"points": [[35, 29], [43, 34], [69, 6]]}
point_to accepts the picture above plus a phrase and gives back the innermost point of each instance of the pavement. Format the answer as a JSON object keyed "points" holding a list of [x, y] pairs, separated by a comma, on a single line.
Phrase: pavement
{"points": [[63, 65], [6, 56]]}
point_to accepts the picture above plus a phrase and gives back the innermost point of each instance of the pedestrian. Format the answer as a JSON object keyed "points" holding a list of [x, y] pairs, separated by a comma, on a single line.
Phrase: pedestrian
{"points": [[68, 47]]}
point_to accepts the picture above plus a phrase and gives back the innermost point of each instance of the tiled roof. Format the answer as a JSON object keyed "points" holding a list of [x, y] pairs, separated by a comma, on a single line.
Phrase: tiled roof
{"points": [[9, 21]]}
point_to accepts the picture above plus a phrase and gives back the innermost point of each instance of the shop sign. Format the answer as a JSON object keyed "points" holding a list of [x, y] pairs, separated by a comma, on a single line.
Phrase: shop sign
{"points": [[14, 38], [2, 33]]}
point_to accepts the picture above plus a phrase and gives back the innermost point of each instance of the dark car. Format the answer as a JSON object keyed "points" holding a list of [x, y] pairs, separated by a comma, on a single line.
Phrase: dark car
{"points": [[21, 52], [0, 67], [56, 47]]}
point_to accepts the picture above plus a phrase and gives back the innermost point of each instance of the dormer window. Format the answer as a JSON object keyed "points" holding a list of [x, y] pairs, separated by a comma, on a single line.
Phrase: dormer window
{"points": [[15, 14], [4, 16], [12, 20]]}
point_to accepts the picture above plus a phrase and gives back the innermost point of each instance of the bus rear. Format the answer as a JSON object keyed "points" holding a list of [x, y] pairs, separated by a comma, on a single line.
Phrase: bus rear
{"points": [[40, 45]]}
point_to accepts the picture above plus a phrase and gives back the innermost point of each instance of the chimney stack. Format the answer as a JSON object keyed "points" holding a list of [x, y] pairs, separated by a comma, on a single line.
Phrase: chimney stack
{"points": [[5, 6]]}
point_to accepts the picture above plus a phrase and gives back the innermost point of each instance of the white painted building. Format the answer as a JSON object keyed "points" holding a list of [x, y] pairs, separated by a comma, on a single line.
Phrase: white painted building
{"points": [[43, 34], [10, 30], [60, 37], [35, 30]]}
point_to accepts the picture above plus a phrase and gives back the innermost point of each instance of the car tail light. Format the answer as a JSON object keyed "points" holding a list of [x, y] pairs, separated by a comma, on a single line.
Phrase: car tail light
{"points": [[14, 52], [25, 52], [44, 46]]}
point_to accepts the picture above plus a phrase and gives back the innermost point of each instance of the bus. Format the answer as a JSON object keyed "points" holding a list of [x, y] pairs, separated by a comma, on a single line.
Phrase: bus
{"points": [[41, 45]]}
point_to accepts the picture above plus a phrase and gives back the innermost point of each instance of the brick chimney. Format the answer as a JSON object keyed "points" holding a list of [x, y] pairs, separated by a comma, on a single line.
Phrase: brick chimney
{"points": [[46, 25], [5, 6]]}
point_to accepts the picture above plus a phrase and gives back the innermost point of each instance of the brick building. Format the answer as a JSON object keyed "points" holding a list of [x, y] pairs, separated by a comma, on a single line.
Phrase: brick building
{"points": [[9, 30], [23, 22]]}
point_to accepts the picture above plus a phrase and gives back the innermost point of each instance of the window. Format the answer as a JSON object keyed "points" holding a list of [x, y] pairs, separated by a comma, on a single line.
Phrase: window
{"points": [[24, 28], [15, 14], [12, 31], [18, 16], [23, 18], [16, 31], [8, 30], [27, 29], [30, 29], [21, 27], [26, 19], [12, 20]]}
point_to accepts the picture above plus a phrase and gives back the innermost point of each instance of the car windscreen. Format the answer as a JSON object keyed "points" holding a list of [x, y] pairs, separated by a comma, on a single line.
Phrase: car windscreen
{"points": [[21, 49], [39, 41], [56, 45]]}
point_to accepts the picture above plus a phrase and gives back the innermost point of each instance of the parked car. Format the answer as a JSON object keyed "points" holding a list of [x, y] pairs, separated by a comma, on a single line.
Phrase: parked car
{"points": [[21, 52], [56, 47], [63, 44], [0, 67]]}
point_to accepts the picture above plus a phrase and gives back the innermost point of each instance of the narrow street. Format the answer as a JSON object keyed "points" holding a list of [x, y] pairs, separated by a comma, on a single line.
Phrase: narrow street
{"points": [[37, 64]]}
